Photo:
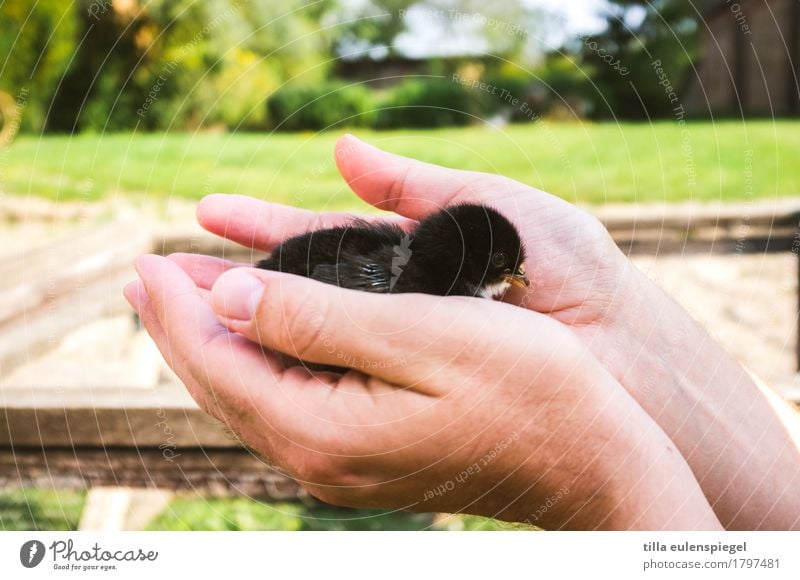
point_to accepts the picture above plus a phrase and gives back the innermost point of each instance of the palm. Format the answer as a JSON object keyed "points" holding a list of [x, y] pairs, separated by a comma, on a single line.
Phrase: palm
{"points": [[573, 263]]}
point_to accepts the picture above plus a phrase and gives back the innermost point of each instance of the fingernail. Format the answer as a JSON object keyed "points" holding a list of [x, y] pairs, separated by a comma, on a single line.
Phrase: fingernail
{"points": [[142, 261], [131, 293], [236, 295]]}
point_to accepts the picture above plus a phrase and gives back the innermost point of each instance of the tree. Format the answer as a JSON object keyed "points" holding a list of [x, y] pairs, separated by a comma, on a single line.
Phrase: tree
{"points": [[182, 63], [380, 28], [640, 61], [37, 41]]}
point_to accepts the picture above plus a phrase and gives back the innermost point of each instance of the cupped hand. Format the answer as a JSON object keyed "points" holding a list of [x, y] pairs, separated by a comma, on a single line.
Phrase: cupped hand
{"points": [[583, 284], [454, 404], [578, 275], [576, 269]]}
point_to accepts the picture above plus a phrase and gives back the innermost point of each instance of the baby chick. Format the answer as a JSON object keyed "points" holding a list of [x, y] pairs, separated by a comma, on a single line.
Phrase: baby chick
{"points": [[461, 250]]}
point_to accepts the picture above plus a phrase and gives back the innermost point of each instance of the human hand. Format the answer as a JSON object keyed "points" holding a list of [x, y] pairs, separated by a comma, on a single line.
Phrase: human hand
{"points": [[465, 404], [725, 425]]}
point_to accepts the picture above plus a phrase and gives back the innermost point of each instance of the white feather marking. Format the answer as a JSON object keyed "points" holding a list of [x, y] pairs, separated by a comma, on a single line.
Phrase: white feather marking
{"points": [[494, 290]]}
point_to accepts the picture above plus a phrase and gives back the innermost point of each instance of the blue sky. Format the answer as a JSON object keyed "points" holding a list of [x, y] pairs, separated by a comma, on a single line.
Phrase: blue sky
{"points": [[581, 16], [426, 36]]}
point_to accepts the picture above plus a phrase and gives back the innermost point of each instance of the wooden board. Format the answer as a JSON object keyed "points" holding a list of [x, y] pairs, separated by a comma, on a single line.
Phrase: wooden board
{"points": [[38, 329], [157, 437], [41, 276], [165, 416], [209, 471]]}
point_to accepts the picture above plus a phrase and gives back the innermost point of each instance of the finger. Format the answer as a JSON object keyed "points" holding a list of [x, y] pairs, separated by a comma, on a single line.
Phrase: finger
{"points": [[262, 225], [404, 338], [136, 295], [218, 360], [409, 187], [203, 270], [236, 379], [278, 418]]}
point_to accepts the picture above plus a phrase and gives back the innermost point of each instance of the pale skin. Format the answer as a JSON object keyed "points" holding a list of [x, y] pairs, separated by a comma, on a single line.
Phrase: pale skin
{"points": [[593, 381]]}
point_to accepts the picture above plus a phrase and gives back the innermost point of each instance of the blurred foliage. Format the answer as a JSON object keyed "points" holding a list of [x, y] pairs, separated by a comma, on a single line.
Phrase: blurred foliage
{"points": [[40, 509], [98, 65], [321, 106], [367, 27], [190, 64], [36, 46], [428, 102], [191, 513], [512, 89], [380, 28], [102, 65], [638, 33]]}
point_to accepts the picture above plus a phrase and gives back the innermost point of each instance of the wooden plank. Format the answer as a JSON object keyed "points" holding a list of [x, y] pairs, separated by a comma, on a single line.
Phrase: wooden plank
{"points": [[33, 278], [209, 471], [793, 72], [684, 217], [52, 290], [37, 329], [171, 429], [188, 241], [164, 417], [656, 245], [164, 396], [108, 351], [122, 508]]}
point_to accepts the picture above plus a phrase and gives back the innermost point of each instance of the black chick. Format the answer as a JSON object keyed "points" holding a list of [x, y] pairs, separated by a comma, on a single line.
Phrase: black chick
{"points": [[462, 250]]}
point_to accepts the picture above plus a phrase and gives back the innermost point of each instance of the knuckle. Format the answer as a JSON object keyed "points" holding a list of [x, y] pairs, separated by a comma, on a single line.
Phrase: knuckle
{"points": [[312, 468], [320, 469], [398, 188], [302, 328]]}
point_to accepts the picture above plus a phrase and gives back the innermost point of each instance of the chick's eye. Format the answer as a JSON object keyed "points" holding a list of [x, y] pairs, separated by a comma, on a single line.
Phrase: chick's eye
{"points": [[499, 259]]}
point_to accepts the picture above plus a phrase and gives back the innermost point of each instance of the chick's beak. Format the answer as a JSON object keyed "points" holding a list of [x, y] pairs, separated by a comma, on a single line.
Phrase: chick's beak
{"points": [[518, 278]]}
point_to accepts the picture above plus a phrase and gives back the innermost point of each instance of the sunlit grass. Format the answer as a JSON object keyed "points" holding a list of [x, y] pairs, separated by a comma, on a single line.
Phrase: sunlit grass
{"points": [[582, 162], [38, 509]]}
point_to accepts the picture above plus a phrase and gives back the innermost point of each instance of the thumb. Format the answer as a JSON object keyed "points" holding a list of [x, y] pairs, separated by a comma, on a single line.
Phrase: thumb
{"points": [[407, 186], [400, 338]]}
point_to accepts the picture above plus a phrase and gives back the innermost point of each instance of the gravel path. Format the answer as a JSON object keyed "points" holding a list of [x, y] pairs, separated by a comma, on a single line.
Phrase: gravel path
{"points": [[747, 302]]}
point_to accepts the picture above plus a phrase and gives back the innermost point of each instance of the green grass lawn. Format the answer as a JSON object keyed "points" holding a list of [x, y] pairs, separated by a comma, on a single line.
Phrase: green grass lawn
{"points": [[39, 509], [582, 162]]}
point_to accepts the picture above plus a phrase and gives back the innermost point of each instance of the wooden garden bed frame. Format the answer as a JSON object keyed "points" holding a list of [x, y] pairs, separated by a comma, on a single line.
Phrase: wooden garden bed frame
{"points": [[158, 438]]}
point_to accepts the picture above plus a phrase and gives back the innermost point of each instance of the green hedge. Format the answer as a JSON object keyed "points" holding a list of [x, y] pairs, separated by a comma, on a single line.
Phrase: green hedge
{"points": [[428, 102], [414, 103], [295, 108]]}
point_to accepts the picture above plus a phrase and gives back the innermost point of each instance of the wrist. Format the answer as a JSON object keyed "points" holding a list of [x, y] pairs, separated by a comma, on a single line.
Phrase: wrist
{"points": [[643, 338], [706, 402], [635, 481], [622, 473]]}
